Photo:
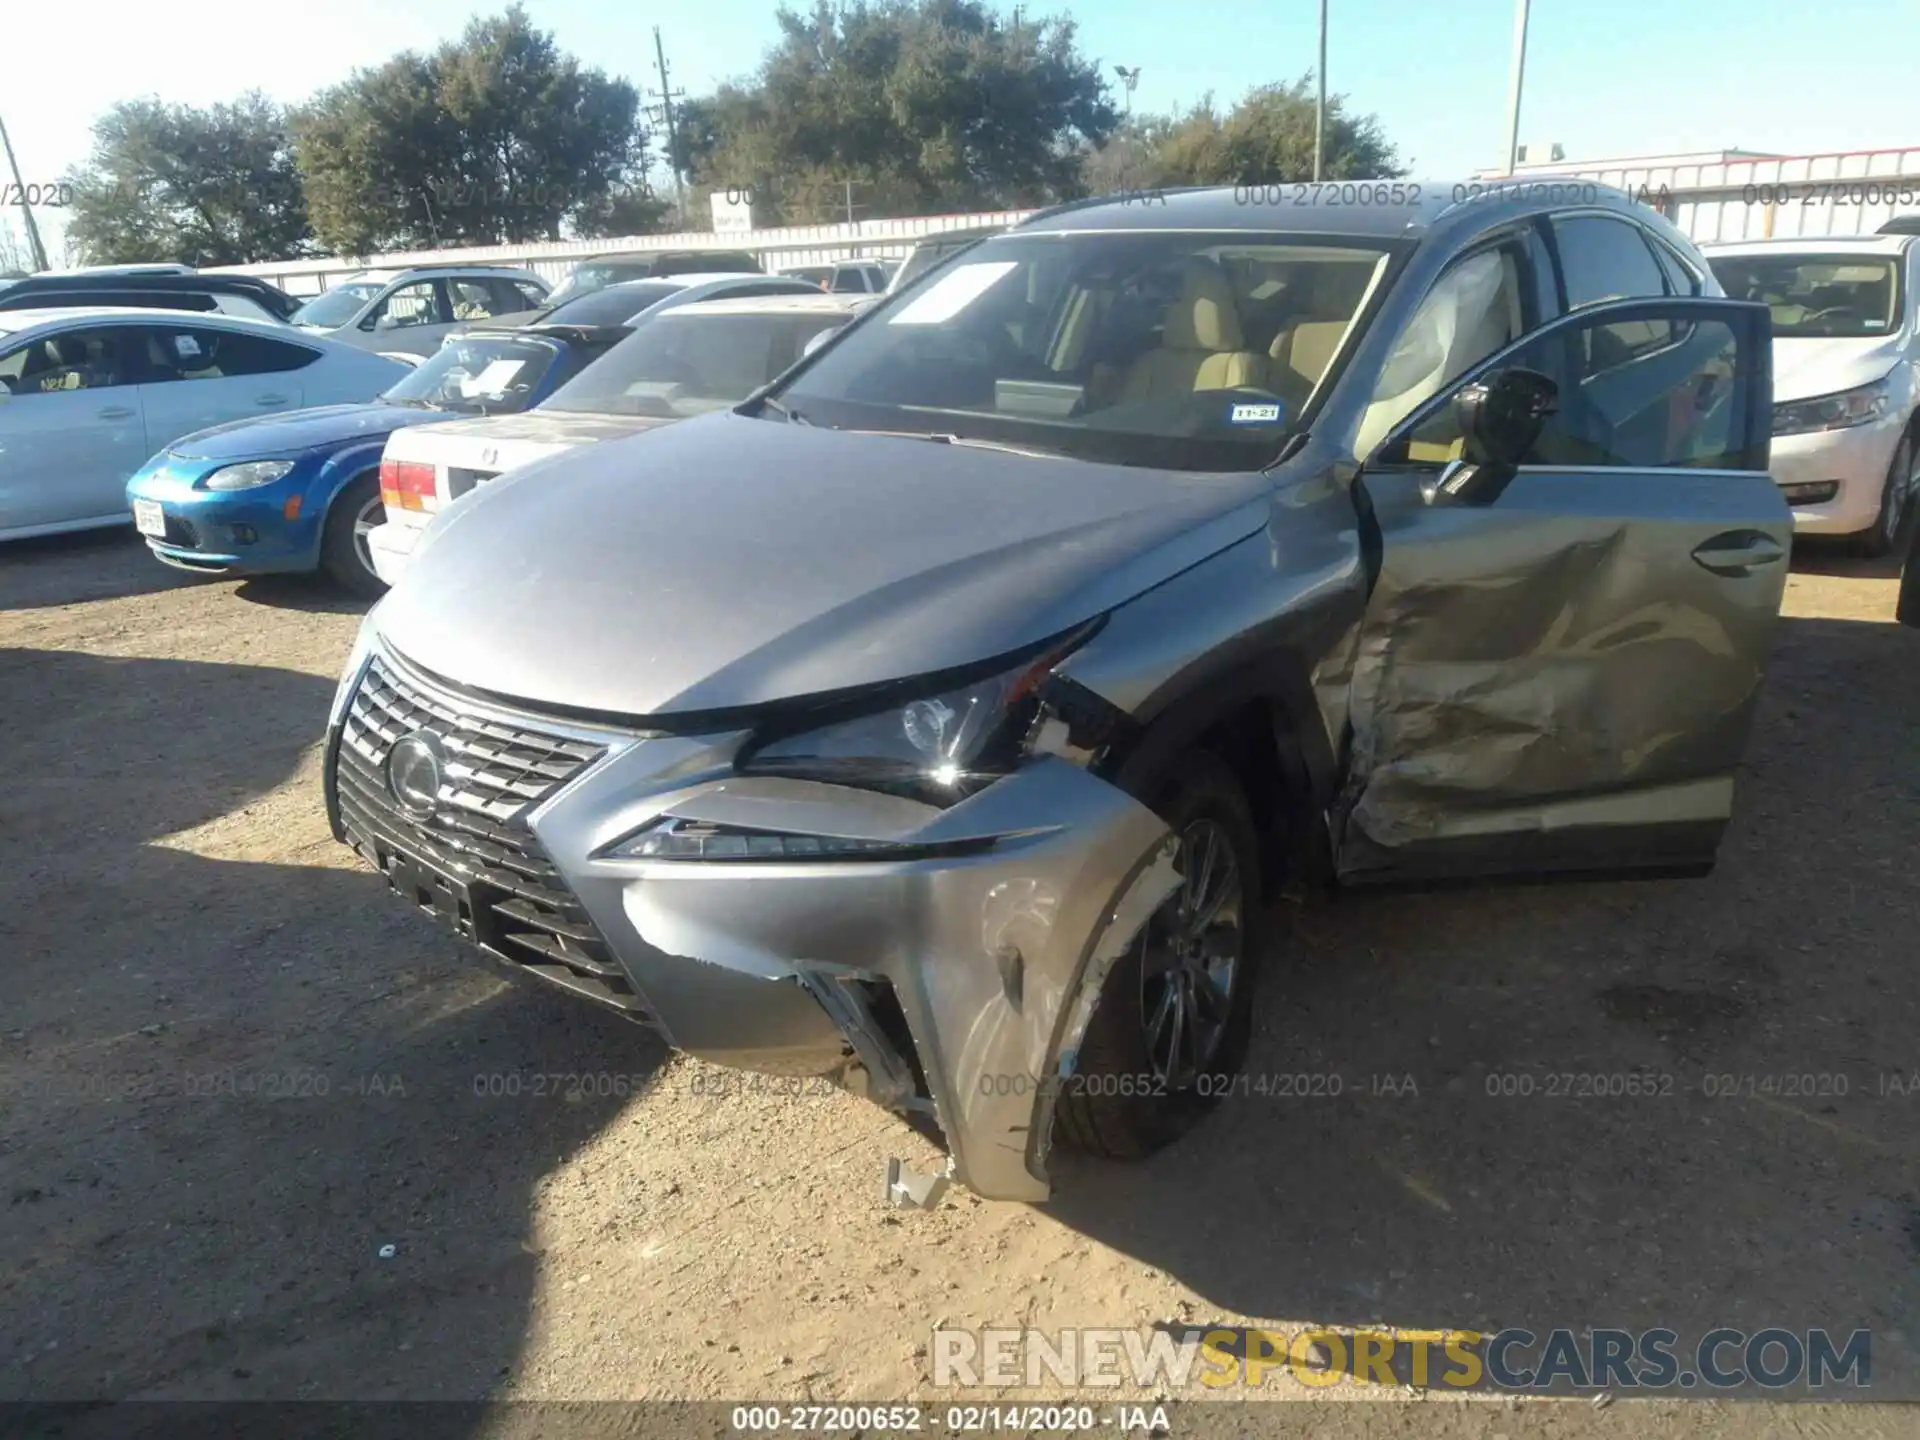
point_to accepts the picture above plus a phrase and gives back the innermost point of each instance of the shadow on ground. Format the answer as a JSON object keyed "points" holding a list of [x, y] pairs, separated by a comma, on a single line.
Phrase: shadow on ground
{"points": [[84, 566], [255, 1143], [1483, 1163]]}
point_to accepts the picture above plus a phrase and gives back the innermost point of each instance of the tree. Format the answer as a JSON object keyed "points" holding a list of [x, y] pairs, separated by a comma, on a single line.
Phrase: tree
{"points": [[204, 187], [497, 137], [920, 105], [1265, 139]]}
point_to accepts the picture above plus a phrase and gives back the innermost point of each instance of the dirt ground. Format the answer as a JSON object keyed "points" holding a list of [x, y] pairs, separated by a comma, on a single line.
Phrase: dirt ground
{"points": [[233, 1072]]}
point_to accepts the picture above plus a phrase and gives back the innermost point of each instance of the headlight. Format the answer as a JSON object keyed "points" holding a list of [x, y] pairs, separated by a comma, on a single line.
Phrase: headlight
{"points": [[1831, 412], [938, 747], [245, 477]]}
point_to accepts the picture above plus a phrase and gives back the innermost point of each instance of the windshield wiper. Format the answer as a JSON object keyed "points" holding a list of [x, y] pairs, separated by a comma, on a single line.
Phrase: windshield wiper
{"points": [[947, 437], [793, 417]]}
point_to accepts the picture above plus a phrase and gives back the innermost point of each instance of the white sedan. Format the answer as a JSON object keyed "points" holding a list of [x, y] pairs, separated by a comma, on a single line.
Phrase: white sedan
{"points": [[86, 395]]}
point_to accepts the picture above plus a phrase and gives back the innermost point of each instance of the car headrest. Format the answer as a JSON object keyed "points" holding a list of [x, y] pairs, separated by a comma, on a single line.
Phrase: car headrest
{"points": [[1205, 316]]}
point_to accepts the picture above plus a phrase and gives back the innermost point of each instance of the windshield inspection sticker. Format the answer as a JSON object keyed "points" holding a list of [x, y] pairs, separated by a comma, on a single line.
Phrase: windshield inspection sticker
{"points": [[1268, 414]]}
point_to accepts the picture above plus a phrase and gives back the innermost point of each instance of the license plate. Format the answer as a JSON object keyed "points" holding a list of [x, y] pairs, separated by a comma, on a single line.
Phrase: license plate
{"points": [[448, 900], [149, 518]]}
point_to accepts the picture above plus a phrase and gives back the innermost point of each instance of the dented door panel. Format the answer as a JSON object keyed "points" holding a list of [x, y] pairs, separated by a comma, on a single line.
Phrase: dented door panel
{"points": [[1555, 681]]}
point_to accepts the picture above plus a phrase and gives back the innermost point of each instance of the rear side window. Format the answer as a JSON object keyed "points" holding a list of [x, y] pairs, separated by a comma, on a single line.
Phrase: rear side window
{"points": [[183, 353], [1603, 259]]}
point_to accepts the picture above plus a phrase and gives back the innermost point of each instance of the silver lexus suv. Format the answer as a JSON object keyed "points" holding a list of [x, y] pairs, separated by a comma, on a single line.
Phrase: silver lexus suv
{"points": [[947, 717]]}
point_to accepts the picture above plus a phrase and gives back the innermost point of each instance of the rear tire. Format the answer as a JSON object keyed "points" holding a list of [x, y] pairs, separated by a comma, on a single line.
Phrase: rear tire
{"points": [[343, 548], [1140, 1081]]}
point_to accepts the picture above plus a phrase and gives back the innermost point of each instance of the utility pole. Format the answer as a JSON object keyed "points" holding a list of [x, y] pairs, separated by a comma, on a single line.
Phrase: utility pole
{"points": [[673, 135], [850, 202], [1320, 104], [26, 210], [1519, 75]]}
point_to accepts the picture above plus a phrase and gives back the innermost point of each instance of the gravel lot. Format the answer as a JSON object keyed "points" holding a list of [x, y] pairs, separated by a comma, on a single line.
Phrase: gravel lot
{"points": [[232, 1070]]}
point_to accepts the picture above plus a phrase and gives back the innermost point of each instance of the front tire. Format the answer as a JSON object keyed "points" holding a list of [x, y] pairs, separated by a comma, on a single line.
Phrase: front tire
{"points": [[1176, 1012], [343, 549], [1895, 499]]}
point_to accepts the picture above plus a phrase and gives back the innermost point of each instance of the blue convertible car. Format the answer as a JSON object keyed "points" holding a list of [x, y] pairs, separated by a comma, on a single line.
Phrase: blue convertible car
{"points": [[300, 491]]}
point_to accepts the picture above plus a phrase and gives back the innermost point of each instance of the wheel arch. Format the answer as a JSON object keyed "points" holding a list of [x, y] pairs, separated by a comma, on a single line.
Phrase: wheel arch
{"points": [[1263, 721]]}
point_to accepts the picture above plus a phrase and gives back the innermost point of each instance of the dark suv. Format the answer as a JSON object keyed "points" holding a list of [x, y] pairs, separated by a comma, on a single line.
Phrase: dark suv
{"points": [[945, 718], [601, 271], [158, 290]]}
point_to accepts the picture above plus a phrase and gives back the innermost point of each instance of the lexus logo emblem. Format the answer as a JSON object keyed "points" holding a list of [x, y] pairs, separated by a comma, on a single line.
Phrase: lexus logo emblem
{"points": [[489, 456], [415, 768]]}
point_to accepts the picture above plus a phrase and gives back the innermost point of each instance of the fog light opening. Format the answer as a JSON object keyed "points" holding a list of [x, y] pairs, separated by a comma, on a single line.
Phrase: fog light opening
{"points": [[1816, 492]]}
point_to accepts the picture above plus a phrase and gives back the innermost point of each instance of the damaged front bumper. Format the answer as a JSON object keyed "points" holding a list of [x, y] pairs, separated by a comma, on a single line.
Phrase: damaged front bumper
{"points": [[953, 972]]}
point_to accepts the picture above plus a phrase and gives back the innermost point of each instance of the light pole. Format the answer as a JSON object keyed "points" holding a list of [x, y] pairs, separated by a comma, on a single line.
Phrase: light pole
{"points": [[26, 209], [1519, 75], [1129, 79], [1320, 104]]}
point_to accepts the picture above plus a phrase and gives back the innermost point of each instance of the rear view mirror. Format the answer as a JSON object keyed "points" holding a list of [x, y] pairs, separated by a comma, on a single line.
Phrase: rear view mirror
{"points": [[1499, 417]]}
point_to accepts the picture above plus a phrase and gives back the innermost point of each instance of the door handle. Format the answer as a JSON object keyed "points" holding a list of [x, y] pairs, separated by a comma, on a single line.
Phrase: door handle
{"points": [[270, 400], [1736, 552], [116, 412]]}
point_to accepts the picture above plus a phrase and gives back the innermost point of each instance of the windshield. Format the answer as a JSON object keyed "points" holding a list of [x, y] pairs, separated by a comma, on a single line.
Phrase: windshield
{"points": [[614, 305], [1825, 296], [478, 375], [686, 363], [593, 275], [337, 306], [1184, 351]]}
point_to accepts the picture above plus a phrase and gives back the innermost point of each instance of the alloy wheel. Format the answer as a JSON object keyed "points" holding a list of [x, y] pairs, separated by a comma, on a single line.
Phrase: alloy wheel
{"points": [[1191, 957], [365, 519]]}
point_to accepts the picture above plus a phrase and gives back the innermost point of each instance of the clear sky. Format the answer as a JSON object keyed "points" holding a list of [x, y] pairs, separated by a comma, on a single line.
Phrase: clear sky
{"points": [[1604, 77]]}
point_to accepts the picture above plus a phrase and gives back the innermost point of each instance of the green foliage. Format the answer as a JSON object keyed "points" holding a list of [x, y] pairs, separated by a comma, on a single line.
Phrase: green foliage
{"points": [[1265, 139], [924, 105], [494, 138], [205, 187]]}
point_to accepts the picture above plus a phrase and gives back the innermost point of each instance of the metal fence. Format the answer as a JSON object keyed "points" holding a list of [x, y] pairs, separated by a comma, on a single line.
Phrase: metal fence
{"points": [[1843, 193], [777, 249]]}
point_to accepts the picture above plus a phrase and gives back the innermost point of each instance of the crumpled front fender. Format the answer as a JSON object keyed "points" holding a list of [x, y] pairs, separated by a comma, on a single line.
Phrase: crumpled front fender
{"points": [[994, 946]]}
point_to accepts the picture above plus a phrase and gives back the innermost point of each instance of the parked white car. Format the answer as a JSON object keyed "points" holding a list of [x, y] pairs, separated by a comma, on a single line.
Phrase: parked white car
{"points": [[1846, 362], [86, 395], [413, 310], [691, 360]]}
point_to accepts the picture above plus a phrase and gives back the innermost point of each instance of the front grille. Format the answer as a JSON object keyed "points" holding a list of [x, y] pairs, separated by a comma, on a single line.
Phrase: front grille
{"points": [[522, 911], [181, 532]]}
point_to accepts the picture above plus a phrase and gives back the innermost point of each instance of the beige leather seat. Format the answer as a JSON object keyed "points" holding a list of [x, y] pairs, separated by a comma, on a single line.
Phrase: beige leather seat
{"points": [[1301, 353], [1201, 347]]}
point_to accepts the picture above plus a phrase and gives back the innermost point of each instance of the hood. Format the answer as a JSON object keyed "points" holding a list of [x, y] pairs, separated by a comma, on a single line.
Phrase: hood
{"points": [[728, 561], [270, 435], [1803, 368]]}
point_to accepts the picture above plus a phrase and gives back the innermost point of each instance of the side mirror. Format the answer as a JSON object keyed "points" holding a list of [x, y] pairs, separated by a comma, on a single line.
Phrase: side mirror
{"points": [[815, 341], [1500, 417]]}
